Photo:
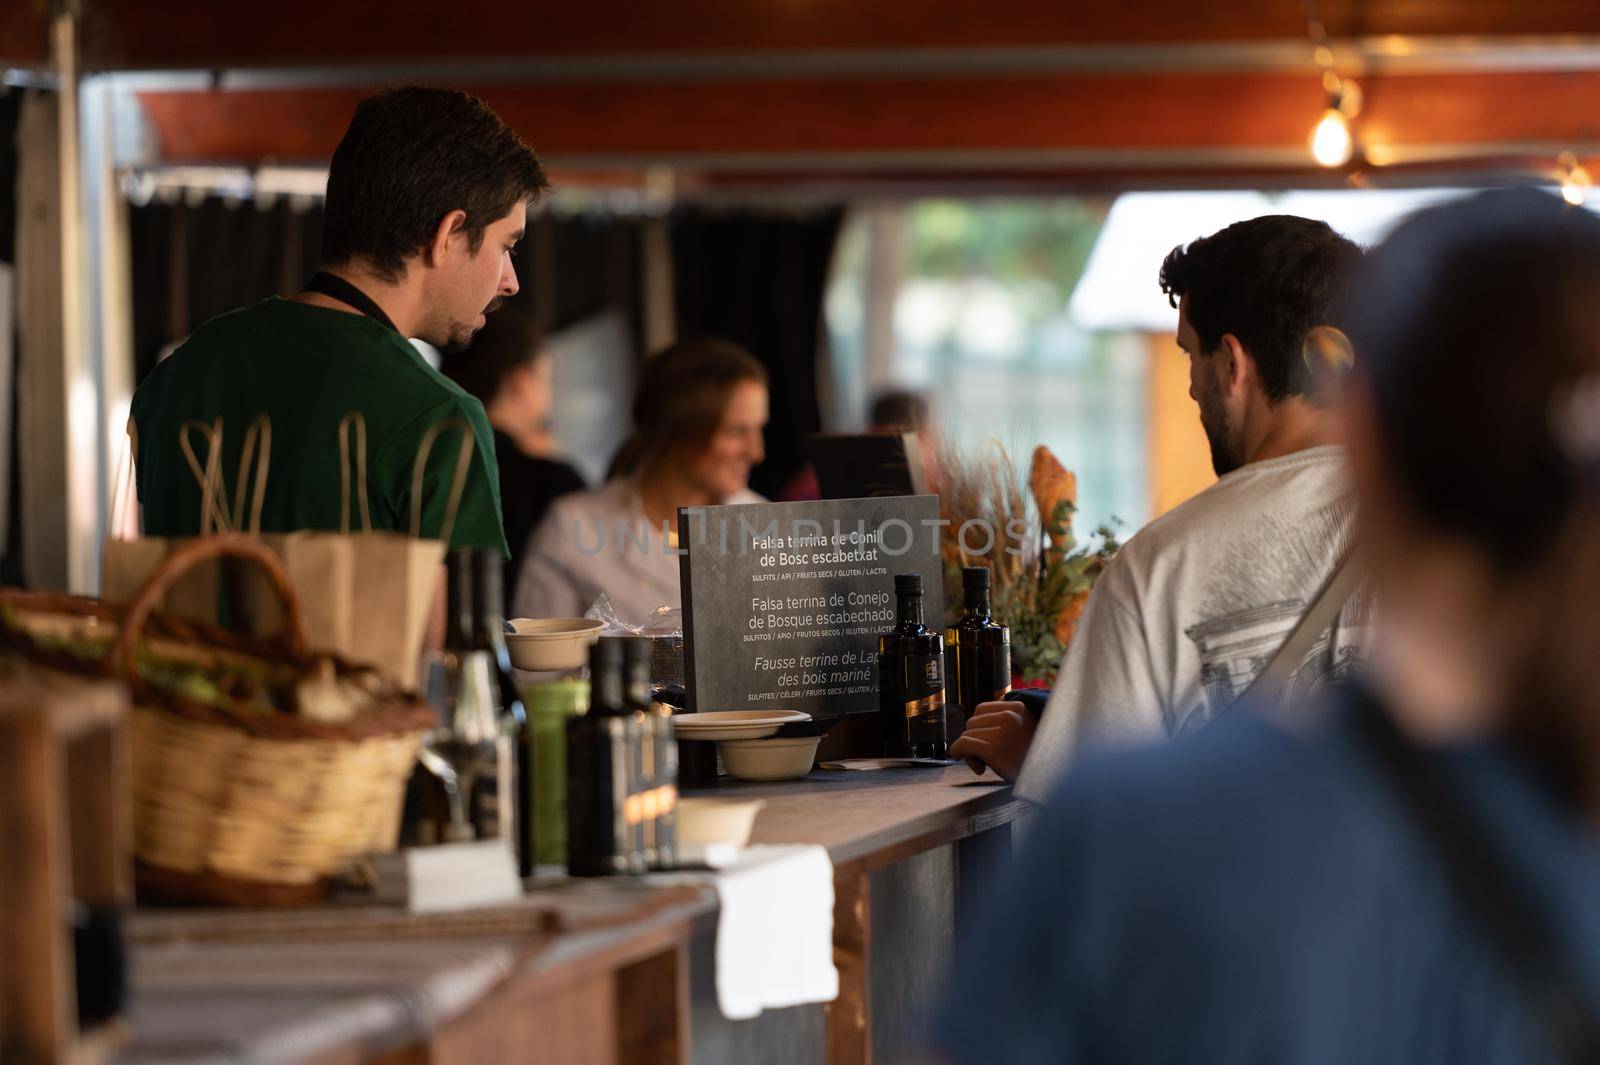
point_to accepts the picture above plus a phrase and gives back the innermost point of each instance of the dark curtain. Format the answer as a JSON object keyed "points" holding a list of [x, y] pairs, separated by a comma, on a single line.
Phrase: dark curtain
{"points": [[192, 262], [575, 267], [757, 278]]}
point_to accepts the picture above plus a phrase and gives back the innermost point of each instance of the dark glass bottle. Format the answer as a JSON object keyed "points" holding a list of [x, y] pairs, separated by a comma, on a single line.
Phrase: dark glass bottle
{"points": [[458, 600], [469, 752], [659, 751], [980, 652], [911, 679], [600, 841], [489, 636]]}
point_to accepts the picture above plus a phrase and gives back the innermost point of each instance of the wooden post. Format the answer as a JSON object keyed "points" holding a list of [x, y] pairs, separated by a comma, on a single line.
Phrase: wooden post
{"points": [[653, 1010], [63, 767], [850, 1015]]}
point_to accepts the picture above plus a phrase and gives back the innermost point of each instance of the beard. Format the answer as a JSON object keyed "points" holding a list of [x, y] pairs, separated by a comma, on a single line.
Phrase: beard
{"points": [[1226, 453], [459, 336]]}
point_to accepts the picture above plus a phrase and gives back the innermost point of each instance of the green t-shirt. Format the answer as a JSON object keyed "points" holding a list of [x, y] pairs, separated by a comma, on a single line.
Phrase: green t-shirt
{"points": [[306, 367]]}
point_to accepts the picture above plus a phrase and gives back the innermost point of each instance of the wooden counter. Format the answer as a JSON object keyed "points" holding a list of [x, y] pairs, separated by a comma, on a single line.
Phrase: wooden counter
{"points": [[596, 971]]}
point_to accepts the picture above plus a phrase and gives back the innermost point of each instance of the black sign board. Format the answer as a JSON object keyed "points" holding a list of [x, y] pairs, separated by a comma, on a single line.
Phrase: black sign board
{"points": [[783, 602], [853, 465]]}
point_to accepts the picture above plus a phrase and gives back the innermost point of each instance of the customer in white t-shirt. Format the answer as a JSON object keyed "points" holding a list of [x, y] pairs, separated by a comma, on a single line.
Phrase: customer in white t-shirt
{"points": [[1195, 605]]}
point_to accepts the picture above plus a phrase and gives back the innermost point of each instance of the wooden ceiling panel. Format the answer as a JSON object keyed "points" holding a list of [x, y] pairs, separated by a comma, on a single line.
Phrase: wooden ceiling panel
{"points": [[931, 124], [206, 34], [24, 34]]}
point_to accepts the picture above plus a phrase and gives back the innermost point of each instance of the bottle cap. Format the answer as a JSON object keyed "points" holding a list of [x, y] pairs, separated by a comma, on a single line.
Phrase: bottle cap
{"points": [[606, 654], [975, 577], [908, 583]]}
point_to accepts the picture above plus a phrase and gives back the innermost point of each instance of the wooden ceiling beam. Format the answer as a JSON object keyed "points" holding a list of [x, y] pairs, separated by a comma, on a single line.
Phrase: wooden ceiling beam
{"points": [[1119, 123], [207, 35]]}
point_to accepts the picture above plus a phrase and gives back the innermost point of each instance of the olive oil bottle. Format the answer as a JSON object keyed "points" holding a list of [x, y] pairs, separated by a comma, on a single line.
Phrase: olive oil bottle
{"points": [[980, 652], [911, 679]]}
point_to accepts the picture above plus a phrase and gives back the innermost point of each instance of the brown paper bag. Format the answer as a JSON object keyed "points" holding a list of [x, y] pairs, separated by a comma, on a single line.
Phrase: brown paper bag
{"points": [[126, 564], [396, 575], [365, 595]]}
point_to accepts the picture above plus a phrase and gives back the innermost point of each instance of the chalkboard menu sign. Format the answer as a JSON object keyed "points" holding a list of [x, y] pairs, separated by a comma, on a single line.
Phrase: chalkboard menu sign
{"points": [[783, 602]]}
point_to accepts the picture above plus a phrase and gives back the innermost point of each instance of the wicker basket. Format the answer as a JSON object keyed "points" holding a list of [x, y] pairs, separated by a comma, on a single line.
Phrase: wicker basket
{"points": [[234, 805]]}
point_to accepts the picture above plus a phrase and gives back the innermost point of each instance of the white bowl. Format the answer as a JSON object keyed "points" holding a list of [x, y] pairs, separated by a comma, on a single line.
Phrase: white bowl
{"points": [[769, 759], [733, 724], [708, 822], [540, 644]]}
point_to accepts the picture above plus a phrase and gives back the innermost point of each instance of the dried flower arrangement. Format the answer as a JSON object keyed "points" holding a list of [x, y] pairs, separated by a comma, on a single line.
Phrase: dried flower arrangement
{"points": [[1040, 577]]}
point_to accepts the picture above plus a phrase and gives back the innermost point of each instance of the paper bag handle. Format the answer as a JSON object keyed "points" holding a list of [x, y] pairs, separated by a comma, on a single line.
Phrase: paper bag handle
{"points": [[457, 486], [358, 420], [260, 431], [211, 492], [173, 568], [126, 486]]}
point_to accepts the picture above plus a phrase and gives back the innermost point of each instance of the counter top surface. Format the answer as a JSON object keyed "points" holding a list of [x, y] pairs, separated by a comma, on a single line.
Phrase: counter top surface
{"points": [[220, 986], [857, 814]]}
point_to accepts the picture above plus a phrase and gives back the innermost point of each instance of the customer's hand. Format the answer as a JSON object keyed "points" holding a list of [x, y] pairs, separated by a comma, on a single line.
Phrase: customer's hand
{"points": [[997, 736]]}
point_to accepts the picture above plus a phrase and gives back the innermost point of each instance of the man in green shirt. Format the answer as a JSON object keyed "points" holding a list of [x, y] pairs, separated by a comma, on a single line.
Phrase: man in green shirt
{"points": [[427, 197]]}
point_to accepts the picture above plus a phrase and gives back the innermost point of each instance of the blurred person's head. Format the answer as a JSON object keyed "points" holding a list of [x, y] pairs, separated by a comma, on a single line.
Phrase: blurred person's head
{"points": [[1473, 418], [903, 411], [429, 188], [698, 417], [900, 410], [507, 368], [1247, 296]]}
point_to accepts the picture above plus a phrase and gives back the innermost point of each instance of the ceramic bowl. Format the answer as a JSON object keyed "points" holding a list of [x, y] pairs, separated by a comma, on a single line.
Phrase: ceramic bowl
{"points": [[541, 644], [778, 758], [709, 822], [734, 724]]}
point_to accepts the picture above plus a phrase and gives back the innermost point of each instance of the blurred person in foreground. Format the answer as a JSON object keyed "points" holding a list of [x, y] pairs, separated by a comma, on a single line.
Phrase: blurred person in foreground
{"points": [[698, 417], [1406, 869], [895, 411], [1194, 605], [508, 369], [428, 193]]}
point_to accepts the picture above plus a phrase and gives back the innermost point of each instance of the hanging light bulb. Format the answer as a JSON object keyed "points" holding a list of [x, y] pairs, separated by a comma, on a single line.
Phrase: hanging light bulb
{"points": [[1331, 143], [1332, 140], [1573, 178]]}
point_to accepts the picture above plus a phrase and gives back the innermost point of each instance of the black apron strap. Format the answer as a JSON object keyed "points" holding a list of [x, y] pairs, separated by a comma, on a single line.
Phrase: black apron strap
{"points": [[335, 287], [1520, 933]]}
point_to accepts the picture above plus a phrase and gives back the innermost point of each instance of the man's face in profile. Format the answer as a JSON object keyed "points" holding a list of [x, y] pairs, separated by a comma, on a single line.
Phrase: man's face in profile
{"points": [[479, 280], [1206, 388]]}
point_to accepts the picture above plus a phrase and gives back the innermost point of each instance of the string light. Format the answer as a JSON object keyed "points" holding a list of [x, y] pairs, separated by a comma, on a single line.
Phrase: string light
{"points": [[1573, 178], [1331, 143], [1332, 139]]}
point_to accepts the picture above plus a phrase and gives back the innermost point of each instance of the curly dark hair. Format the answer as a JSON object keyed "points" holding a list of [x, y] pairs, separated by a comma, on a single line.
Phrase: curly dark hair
{"points": [[411, 156], [1268, 281]]}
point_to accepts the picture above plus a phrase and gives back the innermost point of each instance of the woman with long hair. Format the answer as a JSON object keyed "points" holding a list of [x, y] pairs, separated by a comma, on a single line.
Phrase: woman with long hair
{"points": [[698, 417], [1406, 870]]}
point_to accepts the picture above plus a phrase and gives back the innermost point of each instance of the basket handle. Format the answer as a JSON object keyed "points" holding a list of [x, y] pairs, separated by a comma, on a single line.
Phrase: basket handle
{"points": [[180, 562]]}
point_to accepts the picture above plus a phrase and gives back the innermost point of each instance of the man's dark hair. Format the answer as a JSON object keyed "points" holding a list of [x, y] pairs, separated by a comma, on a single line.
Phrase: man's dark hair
{"points": [[1268, 281], [903, 410], [410, 157], [508, 340]]}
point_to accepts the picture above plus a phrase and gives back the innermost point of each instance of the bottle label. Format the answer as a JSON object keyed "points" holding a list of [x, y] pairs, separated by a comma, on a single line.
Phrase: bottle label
{"points": [[1000, 666], [923, 694]]}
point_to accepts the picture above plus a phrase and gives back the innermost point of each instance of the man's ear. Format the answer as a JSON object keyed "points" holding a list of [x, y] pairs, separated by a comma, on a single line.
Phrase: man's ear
{"points": [[438, 246], [1238, 369]]}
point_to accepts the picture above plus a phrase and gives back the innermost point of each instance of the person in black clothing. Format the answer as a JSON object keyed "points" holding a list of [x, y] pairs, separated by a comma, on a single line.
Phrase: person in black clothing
{"points": [[507, 368]]}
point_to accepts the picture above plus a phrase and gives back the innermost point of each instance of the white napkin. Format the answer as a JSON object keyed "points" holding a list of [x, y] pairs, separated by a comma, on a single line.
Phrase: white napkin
{"points": [[775, 929]]}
